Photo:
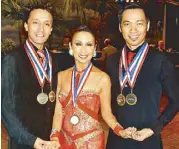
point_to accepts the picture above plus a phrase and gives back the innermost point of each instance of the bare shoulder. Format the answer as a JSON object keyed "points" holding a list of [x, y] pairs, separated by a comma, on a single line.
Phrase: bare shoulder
{"points": [[65, 72], [104, 77]]}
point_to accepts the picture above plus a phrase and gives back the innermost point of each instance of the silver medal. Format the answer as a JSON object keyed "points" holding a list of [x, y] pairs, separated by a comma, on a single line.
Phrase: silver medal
{"points": [[42, 98], [74, 120]]}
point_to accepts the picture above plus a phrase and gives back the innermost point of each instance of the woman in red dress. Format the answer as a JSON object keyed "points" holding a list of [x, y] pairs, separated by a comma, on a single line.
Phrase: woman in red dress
{"points": [[83, 91]]}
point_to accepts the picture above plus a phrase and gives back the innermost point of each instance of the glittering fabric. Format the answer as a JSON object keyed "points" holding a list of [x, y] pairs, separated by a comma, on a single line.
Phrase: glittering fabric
{"points": [[88, 132]]}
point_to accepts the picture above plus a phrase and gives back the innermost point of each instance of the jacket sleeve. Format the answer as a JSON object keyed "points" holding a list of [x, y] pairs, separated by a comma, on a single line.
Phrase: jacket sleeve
{"points": [[9, 86], [171, 88]]}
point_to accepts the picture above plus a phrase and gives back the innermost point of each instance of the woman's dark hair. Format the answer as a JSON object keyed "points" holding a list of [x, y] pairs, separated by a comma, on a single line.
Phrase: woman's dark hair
{"points": [[131, 5], [27, 13], [82, 28]]}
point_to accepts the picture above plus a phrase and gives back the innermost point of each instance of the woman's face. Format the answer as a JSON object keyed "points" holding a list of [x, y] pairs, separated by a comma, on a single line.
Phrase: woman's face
{"points": [[83, 46]]}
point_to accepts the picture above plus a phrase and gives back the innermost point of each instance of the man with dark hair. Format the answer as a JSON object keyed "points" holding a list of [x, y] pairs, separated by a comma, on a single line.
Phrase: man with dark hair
{"points": [[27, 91], [139, 75]]}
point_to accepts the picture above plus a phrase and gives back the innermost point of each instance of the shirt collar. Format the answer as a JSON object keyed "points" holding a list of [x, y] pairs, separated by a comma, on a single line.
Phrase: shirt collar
{"points": [[35, 48], [135, 50]]}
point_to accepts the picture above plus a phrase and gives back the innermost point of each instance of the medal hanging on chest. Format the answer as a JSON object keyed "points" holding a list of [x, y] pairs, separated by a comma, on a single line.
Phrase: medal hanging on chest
{"points": [[129, 73], [51, 96], [121, 99], [131, 98], [74, 120], [42, 97], [43, 70], [76, 89]]}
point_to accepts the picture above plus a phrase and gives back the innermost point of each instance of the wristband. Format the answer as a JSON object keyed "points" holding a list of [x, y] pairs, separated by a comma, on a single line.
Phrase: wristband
{"points": [[117, 128], [55, 133]]}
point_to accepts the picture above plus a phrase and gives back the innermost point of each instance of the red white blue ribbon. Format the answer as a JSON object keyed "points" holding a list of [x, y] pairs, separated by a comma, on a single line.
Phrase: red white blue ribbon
{"points": [[129, 73], [77, 90], [41, 53], [40, 71], [122, 74]]}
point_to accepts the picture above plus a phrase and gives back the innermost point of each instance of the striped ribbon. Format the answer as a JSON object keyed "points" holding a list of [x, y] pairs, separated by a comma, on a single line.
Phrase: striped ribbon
{"points": [[76, 90], [42, 71], [132, 70]]}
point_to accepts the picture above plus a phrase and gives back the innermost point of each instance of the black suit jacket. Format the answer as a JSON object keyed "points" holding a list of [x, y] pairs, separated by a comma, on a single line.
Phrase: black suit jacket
{"points": [[24, 118], [156, 75]]}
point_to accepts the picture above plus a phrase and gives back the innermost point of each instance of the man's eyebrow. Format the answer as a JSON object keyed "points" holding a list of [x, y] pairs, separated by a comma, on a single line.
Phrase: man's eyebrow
{"points": [[142, 20], [125, 21], [130, 21], [34, 19], [47, 21]]}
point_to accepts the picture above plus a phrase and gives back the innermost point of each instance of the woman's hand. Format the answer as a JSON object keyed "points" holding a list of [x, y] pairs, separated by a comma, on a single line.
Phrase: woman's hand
{"points": [[127, 133]]}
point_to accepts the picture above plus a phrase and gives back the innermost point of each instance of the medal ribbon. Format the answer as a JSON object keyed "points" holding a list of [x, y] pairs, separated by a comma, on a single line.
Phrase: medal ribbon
{"points": [[37, 66], [122, 76], [131, 71], [43, 61], [76, 90]]}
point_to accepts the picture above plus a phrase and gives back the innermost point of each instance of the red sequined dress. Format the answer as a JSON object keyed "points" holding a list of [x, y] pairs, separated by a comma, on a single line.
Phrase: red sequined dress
{"points": [[88, 132]]}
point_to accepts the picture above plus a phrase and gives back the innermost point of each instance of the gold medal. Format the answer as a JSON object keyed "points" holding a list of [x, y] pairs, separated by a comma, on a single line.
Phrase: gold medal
{"points": [[131, 99], [51, 96], [42, 98], [74, 119], [121, 99]]}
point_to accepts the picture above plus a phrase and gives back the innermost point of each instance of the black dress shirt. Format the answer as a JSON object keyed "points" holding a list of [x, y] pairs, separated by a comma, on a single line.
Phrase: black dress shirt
{"points": [[24, 118], [157, 75]]}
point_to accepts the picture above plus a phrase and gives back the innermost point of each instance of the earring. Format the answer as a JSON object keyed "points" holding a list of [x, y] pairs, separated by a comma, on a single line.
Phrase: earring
{"points": [[148, 26], [94, 54], [71, 52]]}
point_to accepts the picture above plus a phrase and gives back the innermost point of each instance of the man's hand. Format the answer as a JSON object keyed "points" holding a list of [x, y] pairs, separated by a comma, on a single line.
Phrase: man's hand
{"points": [[142, 134], [52, 145], [39, 143]]}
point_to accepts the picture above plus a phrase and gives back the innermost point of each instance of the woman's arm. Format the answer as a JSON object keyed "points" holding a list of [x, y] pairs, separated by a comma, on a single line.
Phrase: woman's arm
{"points": [[58, 115], [105, 98]]}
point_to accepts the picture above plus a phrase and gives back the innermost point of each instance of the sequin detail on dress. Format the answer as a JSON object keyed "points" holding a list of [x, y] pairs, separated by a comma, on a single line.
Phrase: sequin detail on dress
{"points": [[88, 133]]}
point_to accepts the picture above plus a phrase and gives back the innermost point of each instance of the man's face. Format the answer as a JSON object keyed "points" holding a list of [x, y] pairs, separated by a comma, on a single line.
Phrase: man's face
{"points": [[133, 27], [39, 27]]}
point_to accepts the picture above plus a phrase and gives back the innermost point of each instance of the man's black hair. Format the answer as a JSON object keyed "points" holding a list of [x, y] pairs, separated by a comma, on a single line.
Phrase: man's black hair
{"points": [[130, 5], [27, 13]]}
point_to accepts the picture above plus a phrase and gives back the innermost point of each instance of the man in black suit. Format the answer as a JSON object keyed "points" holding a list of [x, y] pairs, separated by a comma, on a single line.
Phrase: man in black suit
{"points": [[27, 90], [137, 85]]}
